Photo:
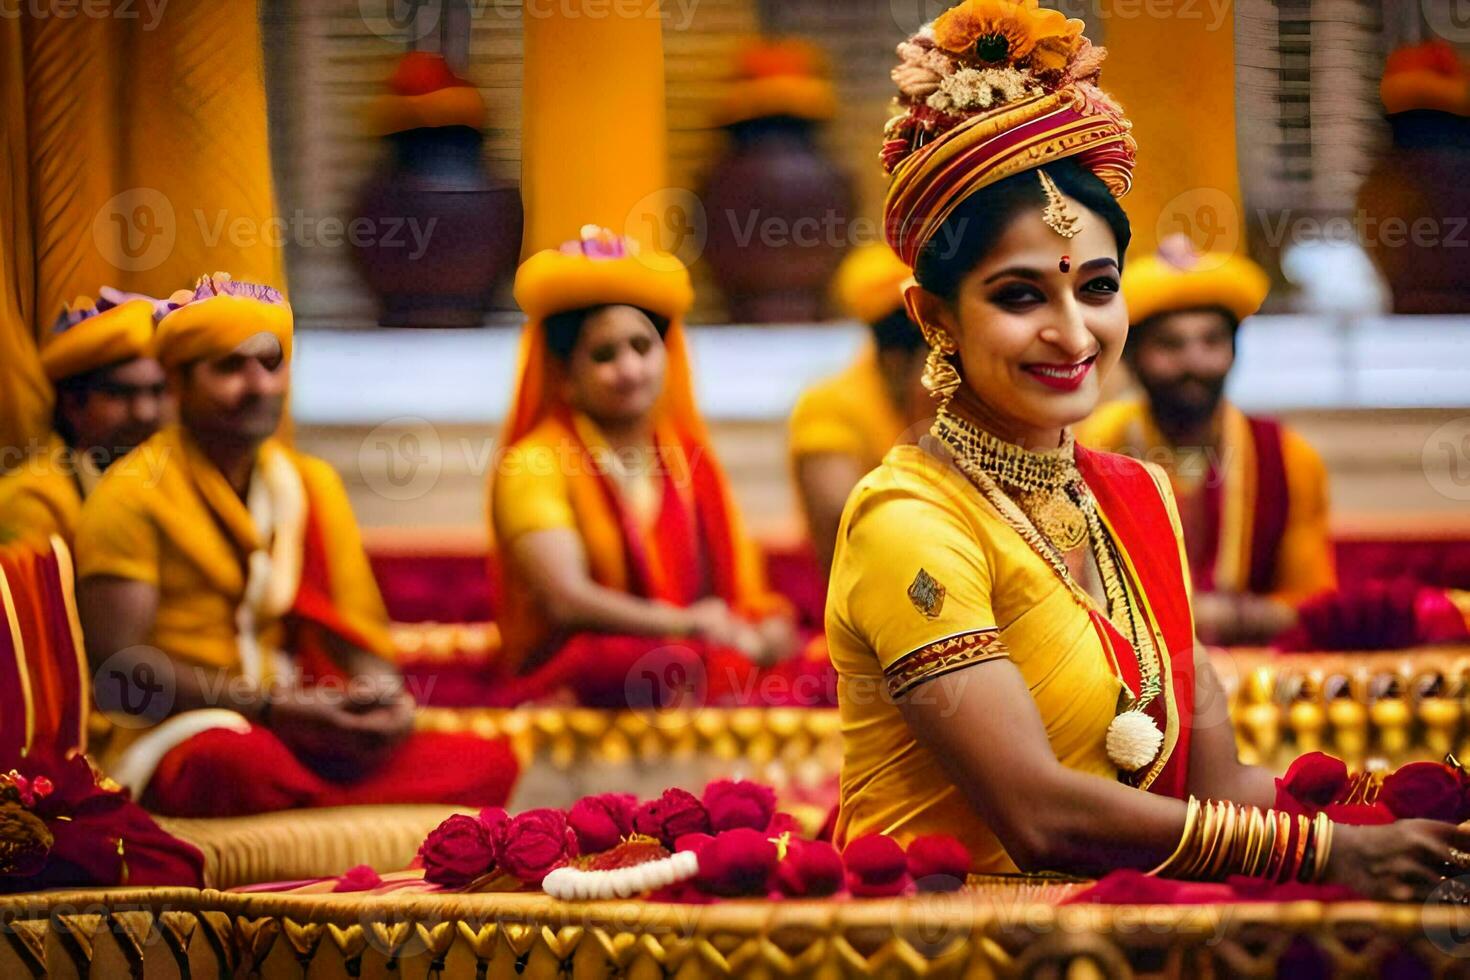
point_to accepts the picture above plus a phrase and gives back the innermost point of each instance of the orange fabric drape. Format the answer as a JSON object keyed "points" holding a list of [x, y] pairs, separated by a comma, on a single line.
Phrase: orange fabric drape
{"points": [[136, 155], [593, 135], [1172, 66]]}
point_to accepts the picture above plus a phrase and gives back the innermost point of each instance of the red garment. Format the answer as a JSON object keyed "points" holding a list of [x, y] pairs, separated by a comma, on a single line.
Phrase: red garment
{"points": [[223, 773], [603, 670], [1135, 512]]}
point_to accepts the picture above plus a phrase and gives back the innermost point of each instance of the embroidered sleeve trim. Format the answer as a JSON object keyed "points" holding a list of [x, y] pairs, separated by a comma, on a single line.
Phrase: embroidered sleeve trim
{"points": [[943, 656]]}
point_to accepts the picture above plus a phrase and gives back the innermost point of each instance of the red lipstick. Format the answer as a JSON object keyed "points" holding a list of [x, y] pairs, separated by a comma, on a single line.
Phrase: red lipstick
{"points": [[1061, 377]]}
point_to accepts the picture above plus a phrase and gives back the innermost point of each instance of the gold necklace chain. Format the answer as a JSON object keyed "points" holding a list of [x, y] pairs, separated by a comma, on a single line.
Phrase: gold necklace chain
{"points": [[1120, 606], [1042, 483]]}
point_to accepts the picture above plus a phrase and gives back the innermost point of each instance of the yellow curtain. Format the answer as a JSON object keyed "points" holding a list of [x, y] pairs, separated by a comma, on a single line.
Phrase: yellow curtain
{"points": [[137, 157], [593, 135], [1172, 66], [25, 398]]}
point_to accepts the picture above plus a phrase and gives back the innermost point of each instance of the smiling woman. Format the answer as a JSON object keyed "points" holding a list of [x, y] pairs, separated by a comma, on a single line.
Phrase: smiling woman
{"points": [[624, 563], [1009, 613]]}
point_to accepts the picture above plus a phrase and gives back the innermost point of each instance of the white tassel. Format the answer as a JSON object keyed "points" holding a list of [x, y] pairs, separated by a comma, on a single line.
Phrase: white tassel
{"points": [[1133, 740]]}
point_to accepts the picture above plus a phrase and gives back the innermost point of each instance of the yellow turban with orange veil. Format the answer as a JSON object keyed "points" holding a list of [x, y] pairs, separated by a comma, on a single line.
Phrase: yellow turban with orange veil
{"points": [[598, 269], [217, 316], [1179, 278], [91, 335], [992, 88]]}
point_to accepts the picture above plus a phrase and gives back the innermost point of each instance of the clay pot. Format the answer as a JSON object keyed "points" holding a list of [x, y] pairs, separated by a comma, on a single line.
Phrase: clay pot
{"points": [[778, 215], [1416, 201], [468, 230]]}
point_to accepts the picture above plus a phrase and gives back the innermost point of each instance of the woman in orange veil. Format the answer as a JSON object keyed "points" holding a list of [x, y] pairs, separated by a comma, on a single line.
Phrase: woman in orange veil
{"points": [[622, 558]]}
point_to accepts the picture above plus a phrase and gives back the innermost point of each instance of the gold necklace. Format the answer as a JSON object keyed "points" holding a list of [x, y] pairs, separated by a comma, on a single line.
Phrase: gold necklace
{"points": [[1044, 484], [1133, 726]]}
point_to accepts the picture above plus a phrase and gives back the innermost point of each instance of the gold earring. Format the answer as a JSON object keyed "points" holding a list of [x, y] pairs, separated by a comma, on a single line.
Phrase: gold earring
{"points": [[940, 378]]}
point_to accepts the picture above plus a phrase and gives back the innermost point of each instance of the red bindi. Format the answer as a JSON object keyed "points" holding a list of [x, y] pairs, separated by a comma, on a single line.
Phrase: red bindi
{"points": [[1065, 265]]}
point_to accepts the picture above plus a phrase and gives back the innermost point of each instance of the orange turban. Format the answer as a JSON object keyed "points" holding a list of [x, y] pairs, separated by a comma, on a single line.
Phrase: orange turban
{"points": [[992, 88], [1178, 278], [89, 335], [870, 282], [219, 315], [598, 269]]}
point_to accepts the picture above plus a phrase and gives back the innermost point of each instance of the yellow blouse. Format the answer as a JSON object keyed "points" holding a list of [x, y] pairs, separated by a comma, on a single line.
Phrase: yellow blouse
{"points": [[929, 578], [850, 413]]}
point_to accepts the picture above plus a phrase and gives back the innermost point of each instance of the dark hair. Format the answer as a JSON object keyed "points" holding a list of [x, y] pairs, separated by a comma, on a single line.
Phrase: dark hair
{"points": [[77, 388], [563, 329], [896, 332], [978, 223], [1138, 331]]}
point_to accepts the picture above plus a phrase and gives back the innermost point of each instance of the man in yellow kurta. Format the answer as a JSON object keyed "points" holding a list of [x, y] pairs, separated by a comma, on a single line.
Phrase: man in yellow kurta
{"points": [[109, 398], [1252, 493], [842, 426], [240, 640]]}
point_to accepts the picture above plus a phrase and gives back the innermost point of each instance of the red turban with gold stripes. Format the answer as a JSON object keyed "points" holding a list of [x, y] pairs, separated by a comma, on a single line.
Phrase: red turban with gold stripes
{"points": [[992, 88]]}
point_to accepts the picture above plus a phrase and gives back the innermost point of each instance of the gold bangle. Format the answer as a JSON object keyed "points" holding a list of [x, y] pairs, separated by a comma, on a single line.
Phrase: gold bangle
{"points": [[1227, 838], [1191, 817], [1279, 845], [1190, 864], [1324, 845], [1253, 854], [1303, 831]]}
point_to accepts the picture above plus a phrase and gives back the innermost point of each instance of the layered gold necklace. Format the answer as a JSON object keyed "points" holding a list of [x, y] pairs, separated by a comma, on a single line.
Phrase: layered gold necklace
{"points": [[1043, 497], [1045, 485]]}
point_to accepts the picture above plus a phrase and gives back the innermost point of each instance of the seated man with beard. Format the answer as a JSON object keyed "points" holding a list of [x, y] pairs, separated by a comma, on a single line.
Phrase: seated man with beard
{"points": [[239, 638], [109, 398], [1252, 493]]}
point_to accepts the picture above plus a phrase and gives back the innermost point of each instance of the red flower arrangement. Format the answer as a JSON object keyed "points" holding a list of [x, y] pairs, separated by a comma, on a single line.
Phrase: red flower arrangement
{"points": [[1419, 790], [458, 851], [676, 813], [740, 843]]}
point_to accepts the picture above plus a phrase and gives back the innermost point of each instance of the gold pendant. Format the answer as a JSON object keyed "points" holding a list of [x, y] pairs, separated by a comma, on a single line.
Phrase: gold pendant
{"points": [[1059, 518]]}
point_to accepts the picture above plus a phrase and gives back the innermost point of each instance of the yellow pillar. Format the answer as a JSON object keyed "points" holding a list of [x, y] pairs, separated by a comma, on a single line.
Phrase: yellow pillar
{"points": [[25, 397], [198, 149], [1171, 63], [593, 130]]}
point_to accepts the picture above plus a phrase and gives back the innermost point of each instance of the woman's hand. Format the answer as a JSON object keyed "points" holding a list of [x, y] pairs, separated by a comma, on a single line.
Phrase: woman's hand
{"points": [[711, 619], [1397, 862], [779, 640]]}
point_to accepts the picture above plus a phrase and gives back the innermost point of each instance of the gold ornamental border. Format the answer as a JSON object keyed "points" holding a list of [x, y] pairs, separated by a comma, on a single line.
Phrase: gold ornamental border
{"points": [[1366, 707], [568, 737], [990, 930]]}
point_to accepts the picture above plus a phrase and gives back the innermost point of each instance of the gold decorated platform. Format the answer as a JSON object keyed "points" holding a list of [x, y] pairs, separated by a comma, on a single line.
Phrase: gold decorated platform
{"points": [[1372, 709], [990, 930]]}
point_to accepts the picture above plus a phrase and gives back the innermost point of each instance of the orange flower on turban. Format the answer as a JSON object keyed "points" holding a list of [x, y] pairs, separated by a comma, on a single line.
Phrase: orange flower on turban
{"points": [[995, 31]]}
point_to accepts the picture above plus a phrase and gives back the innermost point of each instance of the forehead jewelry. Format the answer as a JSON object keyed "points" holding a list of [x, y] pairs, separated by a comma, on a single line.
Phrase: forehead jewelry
{"points": [[1065, 265], [1057, 215]]}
